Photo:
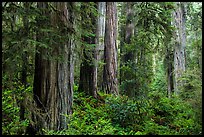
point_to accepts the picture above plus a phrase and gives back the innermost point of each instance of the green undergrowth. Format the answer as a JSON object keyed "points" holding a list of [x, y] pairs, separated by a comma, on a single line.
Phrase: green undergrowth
{"points": [[111, 115], [11, 122]]}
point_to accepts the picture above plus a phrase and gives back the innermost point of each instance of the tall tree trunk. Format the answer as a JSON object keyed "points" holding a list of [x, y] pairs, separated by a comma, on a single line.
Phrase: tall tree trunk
{"points": [[129, 30], [122, 41], [100, 35], [39, 70], [169, 65], [128, 57], [88, 80], [101, 28], [53, 80], [180, 44], [25, 61], [110, 82], [168, 62], [169, 59]]}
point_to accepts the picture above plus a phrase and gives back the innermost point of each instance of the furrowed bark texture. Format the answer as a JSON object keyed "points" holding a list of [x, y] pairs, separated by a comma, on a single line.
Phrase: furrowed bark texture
{"points": [[180, 44], [110, 82], [54, 78], [100, 35]]}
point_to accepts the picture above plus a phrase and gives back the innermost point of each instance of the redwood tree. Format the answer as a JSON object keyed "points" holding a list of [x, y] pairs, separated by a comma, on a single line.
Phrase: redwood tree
{"points": [[53, 79], [180, 44], [100, 35], [110, 81]]}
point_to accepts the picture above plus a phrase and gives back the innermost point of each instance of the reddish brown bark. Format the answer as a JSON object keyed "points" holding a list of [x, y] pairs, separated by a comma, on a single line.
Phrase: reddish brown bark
{"points": [[110, 81]]}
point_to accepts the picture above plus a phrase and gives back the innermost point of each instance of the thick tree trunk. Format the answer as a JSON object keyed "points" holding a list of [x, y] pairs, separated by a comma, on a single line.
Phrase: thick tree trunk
{"points": [[101, 29], [180, 44], [39, 71], [100, 35], [53, 80], [110, 82], [88, 80]]}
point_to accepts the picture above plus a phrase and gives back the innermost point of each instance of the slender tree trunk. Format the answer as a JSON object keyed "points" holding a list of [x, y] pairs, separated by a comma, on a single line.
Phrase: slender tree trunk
{"points": [[122, 41], [25, 61], [199, 53], [169, 64], [53, 80], [129, 30], [128, 57], [169, 60], [110, 82], [180, 44], [200, 60]]}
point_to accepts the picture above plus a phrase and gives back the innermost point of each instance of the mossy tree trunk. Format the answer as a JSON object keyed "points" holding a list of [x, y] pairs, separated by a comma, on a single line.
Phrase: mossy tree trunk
{"points": [[180, 44], [129, 55]]}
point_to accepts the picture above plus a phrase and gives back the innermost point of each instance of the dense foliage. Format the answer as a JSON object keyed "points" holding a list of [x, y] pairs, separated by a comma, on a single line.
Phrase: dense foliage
{"points": [[11, 122], [112, 115], [143, 106]]}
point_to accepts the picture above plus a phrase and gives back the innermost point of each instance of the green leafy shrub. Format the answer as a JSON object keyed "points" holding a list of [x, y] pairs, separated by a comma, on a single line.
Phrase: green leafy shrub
{"points": [[152, 128], [120, 115], [172, 113], [11, 123], [127, 113], [191, 92]]}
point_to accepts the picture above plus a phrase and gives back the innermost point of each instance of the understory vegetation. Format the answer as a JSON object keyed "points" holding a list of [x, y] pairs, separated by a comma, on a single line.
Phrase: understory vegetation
{"points": [[111, 115]]}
